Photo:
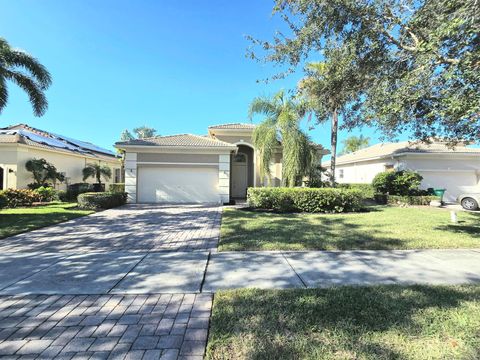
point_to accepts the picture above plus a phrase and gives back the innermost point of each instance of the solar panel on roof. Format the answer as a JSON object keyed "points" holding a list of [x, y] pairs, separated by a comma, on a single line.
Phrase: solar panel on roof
{"points": [[85, 145]]}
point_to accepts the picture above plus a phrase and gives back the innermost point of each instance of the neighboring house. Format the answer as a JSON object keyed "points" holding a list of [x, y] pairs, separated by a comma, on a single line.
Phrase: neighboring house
{"points": [[457, 169], [20, 143], [195, 169]]}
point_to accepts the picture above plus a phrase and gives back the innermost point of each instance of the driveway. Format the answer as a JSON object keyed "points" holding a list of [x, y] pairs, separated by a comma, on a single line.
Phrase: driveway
{"points": [[141, 228], [120, 284]]}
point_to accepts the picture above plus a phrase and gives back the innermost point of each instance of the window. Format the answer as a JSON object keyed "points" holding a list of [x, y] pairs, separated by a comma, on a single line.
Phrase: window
{"points": [[118, 176], [240, 158], [389, 168], [340, 173]]}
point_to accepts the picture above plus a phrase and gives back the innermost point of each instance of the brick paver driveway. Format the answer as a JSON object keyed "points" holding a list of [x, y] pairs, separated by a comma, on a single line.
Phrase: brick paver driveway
{"points": [[120, 284], [133, 227]]}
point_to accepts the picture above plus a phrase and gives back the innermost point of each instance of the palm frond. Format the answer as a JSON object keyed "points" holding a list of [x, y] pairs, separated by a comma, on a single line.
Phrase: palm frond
{"points": [[3, 93], [19, 58], [265, 140], [262, 106], [37, 97]]}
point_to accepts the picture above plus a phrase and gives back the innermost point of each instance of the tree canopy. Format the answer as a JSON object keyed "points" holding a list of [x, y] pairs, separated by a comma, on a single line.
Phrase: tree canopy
{"points": [[25, 71], [42, 171], [97, 171], [419, 61]]}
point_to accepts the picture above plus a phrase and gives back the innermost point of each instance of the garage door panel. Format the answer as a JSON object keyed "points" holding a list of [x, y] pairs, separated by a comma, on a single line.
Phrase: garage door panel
{"points": [[178, 184], [456, 183]]}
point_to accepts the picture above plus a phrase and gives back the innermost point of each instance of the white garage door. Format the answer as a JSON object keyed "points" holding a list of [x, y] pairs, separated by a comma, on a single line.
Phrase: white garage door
{"points": [[178, 184], [455, 182]]}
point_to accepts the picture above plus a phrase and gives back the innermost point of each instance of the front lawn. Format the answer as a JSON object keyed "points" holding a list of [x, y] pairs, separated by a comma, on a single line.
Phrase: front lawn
{"points": [[18, 220], [382, 227], [381, 322]]}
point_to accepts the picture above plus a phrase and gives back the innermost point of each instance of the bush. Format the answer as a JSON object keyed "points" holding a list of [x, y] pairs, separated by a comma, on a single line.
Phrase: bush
{"points": [[404, 182], [3, 200], [62, 195], [76, 189], [20, 197], [367, 189], [101, 200], [410, 200], [117, 188], [326, 200], [46, 194]]}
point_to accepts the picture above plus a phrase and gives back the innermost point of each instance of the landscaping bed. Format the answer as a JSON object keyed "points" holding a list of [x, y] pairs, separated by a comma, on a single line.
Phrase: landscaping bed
{"points": [[381, 322], [17, 220], [380, 227]]}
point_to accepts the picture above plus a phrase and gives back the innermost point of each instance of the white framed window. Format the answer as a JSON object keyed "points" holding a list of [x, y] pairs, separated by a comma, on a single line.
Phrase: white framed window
{"points": [[118, 176]]}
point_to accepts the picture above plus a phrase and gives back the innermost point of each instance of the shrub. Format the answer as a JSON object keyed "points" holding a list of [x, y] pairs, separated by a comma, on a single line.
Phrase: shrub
{"points": [[411, 200], [404, 182], [367, 189], [101, 200], [327, 200], [3, 200], [46, 194], [117, 188], [62, 195], [76, 189], [20, 197]]}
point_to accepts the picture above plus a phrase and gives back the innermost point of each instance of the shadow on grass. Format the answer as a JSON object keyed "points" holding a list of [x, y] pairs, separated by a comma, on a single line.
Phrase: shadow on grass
{"points": [[301, 232], [382, 322]]}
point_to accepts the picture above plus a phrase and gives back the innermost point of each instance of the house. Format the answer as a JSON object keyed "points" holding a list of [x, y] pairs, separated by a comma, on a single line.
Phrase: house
{"points": [[20, 143], [190, 168], [455, 169]]}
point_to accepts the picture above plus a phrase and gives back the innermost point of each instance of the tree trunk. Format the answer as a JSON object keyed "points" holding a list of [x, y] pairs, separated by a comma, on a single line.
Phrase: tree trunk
{"points": [[334, 135]]}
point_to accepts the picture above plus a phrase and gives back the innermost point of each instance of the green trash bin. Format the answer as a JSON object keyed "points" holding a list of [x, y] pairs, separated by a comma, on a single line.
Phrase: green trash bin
{"points": [[439, 193]]}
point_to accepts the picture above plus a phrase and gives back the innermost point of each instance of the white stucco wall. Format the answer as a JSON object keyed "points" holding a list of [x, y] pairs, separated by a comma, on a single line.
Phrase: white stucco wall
{"points": [[14, 157], [362, 172]]}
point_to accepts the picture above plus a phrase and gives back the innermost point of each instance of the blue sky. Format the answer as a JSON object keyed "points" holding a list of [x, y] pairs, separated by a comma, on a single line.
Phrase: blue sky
{"points": [[177, 66]]}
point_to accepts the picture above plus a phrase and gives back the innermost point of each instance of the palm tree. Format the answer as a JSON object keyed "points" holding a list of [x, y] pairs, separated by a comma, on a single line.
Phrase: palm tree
{"points": [[97, 171], [329, 88], [281, 126], [354, 143], [24, 70]]}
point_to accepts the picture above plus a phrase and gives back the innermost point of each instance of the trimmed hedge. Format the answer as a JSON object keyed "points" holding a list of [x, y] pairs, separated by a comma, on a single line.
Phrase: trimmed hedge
{"points": [[367, 189], [20, 197], [101, 200], [410, 200], [117, 188], [324, 200]]}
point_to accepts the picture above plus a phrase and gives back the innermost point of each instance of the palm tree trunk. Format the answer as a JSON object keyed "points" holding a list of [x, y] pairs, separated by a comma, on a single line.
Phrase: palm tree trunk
{"points": [[334, 135]]}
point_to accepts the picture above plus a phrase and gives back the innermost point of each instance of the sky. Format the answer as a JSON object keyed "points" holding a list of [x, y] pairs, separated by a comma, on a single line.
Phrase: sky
{"points": [[176, 66]]}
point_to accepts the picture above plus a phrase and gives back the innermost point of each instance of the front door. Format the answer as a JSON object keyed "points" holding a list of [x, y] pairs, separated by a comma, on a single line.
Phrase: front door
{"points": [[239, 175]]}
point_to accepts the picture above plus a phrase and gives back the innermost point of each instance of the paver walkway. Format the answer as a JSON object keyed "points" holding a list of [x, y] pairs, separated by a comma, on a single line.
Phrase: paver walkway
{"points": [[104, 326]]}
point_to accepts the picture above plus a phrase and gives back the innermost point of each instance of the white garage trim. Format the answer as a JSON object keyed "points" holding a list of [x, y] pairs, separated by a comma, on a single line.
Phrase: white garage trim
{"points": [[175, 163]]}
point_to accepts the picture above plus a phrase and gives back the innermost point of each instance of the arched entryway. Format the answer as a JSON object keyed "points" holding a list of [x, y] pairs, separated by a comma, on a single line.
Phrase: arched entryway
{"points": [[242, 171]]}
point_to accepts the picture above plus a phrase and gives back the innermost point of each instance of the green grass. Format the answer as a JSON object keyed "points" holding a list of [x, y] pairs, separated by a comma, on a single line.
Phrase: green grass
{"points": [[18, 220], [382, 227], [381, 322]]}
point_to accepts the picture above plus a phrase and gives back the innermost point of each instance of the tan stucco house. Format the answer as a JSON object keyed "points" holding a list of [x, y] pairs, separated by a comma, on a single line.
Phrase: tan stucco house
{"points": [[20, 143], [455, 169], [190, 168]]}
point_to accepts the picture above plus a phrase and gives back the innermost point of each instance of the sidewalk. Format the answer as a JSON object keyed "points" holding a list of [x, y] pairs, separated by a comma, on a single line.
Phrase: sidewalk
{"points": [[278, 270]]}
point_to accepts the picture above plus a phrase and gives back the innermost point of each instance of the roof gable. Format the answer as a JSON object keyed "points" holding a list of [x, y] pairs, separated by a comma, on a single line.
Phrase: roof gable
{"points": [[181, 140]]}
